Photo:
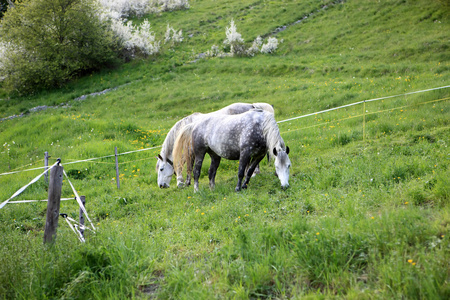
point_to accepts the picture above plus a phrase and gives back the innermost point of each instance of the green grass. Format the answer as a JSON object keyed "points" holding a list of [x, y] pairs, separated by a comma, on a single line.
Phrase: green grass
{"points": [[367, 213]]}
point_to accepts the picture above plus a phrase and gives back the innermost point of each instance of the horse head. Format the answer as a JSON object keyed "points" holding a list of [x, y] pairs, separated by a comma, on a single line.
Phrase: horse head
{"points": [[165, 171], [282, 166]]}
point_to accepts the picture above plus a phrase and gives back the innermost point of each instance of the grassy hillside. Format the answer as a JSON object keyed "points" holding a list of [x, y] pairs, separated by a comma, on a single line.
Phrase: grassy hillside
{"points": [[367, 214]]}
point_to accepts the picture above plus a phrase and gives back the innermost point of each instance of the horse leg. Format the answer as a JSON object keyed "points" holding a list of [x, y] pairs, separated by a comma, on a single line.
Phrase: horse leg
{"points": [[252, 166], [197, 169], [215, 162], [257, 170], [243, 162], [180, 180], [188, 173], [179, 175]]}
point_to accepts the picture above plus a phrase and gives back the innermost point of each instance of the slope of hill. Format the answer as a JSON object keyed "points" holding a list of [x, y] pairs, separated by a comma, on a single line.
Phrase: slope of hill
{"points": [[367, 213]]}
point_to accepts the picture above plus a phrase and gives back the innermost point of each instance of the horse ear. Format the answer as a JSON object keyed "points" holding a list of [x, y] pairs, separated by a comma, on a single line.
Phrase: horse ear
{"points": [[159, 156], [275, 151], [170, 162], [287, 150]]}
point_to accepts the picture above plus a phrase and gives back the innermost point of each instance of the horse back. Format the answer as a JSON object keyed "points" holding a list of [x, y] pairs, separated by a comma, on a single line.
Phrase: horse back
{"points": [[229, 135]]}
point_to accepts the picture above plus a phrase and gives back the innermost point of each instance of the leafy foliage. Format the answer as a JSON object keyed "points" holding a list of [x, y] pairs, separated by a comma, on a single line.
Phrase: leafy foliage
{"points": [[4, 4], [52, 41]]}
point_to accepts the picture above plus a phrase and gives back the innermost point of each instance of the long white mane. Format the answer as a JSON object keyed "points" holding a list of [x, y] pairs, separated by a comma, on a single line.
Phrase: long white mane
{"points": [[167, 146]]}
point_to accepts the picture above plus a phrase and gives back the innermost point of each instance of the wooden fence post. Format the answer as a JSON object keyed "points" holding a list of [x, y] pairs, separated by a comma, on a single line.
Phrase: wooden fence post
{"points": [[117, 169], [46, 166], [83, 200], [54, 200], [364, 121]]}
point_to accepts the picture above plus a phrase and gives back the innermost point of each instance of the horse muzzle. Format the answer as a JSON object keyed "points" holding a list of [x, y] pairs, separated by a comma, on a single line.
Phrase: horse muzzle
{"points": [[285, 187], [163, 186]]}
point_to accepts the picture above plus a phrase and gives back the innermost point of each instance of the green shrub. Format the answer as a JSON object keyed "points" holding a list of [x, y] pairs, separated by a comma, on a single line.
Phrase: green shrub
{"points": [[45, 43]]}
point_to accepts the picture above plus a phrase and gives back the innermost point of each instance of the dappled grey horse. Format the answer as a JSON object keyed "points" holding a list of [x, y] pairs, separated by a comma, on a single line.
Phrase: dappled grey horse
{"points": [[164, 164], [246, 137]]}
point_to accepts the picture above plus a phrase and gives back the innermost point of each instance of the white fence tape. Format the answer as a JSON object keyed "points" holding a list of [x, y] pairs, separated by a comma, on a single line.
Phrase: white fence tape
{"points": [[359, 102], [45, 200], [79, 200], [24, 187], [84, 160], [74, 228], [14, 172]]}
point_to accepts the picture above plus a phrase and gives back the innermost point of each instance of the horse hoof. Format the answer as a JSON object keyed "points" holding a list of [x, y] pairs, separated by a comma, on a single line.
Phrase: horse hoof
{"points": [[180, 185], [237, 189]]}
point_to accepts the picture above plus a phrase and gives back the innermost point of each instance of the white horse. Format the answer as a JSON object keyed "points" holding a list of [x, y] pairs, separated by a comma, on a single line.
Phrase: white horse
{"points": [[245, 137], [164, 164]]}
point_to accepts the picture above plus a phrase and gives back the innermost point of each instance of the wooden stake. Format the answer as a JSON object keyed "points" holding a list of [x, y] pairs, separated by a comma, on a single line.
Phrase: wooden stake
{"points": [[364, 121], [83, 200], [117, 168], [54, 200], [46, 166]]}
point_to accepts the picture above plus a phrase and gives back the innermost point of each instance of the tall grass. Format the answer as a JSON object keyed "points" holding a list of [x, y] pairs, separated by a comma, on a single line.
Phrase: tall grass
{"points": [[367, 213]]}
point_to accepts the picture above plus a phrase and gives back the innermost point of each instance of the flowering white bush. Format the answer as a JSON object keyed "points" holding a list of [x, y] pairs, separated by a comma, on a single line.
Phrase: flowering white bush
{"points": [[134, 38], [271, 46], [234, 39], [215, 52], [177, 37], [139, 39], [232, 35], [7, 51], [167, 5], [125, 8], [237, 47], [255, 46], [3, 52]]}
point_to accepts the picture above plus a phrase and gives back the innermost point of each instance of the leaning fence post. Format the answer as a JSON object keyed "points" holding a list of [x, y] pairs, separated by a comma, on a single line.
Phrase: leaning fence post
{"points": [[81, 230], [54, 200], [46, 166], [117, 168]]}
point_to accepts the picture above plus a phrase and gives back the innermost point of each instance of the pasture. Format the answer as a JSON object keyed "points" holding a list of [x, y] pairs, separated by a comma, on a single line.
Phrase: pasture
{"points": [[366, 215]]}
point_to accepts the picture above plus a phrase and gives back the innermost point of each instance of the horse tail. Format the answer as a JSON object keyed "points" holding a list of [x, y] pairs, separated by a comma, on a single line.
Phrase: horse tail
{"points": [[264, 106], [183, 153]]}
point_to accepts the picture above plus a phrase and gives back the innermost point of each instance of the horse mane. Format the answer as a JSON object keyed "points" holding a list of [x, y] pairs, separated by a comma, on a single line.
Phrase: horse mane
{"points": [[183, 153], [272, 134], [169, 142]]}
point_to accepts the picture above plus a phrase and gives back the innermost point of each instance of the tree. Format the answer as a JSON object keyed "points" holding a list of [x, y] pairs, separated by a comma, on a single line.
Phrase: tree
{"points": [[4, 6], [47, 42]]}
